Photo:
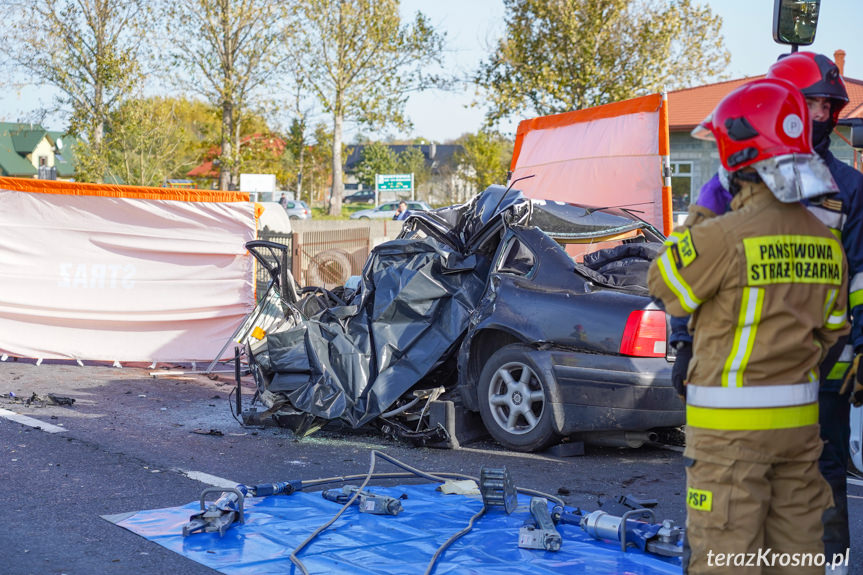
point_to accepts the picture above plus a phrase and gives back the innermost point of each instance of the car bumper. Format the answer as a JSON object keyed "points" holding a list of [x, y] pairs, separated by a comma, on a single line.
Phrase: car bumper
{"points": [[611, 393]]}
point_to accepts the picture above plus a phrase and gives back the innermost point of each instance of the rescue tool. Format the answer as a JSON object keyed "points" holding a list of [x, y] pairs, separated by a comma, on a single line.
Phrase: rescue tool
{"points": [[222, 513], [663, 538], [367, 502], [539, 532]]}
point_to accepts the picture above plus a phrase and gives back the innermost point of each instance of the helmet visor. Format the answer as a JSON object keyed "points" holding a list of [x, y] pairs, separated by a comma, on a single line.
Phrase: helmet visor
{"points": [[796, 177], [704, 130]]}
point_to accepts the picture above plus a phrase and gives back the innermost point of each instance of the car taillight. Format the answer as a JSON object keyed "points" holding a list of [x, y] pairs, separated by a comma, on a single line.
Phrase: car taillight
{"points": [[644, 334]]}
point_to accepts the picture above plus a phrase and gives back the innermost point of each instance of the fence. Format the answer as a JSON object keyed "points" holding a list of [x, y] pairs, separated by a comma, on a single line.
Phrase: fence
{"points": [[326, 253]]}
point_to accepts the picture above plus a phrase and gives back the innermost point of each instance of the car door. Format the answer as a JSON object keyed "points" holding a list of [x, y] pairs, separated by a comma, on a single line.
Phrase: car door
{"points": [[386, 210]]}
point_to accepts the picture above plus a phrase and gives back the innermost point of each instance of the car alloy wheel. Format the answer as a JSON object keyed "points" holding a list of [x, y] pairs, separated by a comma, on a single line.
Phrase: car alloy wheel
{"points": [[514, 400]]}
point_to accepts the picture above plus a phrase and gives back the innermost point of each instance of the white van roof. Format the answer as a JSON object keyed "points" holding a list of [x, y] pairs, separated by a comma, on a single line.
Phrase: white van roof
{"points": [[274, 218]]}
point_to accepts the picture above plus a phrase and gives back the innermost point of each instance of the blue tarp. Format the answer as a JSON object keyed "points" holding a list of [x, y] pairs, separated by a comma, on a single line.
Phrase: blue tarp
{"points": [[380, 544]]}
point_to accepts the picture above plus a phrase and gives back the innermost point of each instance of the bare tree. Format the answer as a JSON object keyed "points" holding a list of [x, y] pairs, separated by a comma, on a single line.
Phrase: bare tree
{"points": [[89, 50], [360, 62], [230, 48]]}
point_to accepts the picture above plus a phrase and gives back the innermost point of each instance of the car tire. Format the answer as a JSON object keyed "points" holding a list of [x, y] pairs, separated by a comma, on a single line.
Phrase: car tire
{"points": [[515, 400], [363, 217]]}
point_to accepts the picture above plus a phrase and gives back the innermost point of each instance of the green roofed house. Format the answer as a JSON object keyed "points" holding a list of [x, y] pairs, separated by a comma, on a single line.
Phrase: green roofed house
{"points": [[31, 151]]}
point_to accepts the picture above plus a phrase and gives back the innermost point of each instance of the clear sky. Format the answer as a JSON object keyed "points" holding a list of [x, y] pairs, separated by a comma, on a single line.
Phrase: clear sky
{"points": [[473, 26]]}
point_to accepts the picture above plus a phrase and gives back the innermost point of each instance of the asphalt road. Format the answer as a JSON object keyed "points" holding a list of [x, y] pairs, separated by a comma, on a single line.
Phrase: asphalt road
{"points": [[132, 442]]}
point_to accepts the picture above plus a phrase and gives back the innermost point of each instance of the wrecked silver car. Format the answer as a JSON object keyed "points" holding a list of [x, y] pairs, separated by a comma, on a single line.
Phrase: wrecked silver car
{"points": [[533, 314]]}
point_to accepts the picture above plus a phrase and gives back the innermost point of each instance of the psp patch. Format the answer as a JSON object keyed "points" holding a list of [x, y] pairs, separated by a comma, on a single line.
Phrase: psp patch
{"points": [[699, 499], [683, 251]]}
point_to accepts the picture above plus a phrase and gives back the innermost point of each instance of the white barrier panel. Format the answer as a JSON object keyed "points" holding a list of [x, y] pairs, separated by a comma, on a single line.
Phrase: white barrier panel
{"points": [[121, 273]]}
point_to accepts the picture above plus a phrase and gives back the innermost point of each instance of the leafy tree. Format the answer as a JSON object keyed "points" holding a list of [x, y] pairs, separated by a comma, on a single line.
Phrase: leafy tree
{"points": [[360, 61], [319, 163], [413, 161], [484, 159], [143, 140], [573, 54], [89, 50], [230, 50], [378, 158]]}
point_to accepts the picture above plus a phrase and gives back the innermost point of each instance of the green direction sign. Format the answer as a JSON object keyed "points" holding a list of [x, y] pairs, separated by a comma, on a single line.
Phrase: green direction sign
{"points": [[395, 182]]}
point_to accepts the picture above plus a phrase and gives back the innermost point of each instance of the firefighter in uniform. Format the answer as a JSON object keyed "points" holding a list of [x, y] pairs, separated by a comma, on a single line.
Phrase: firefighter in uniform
{"points": [[818, 78], [767, 286], [820, 81]]}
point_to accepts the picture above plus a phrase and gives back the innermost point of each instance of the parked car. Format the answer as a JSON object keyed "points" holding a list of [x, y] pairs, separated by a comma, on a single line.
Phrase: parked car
{"points": [[298, 210], [533, 314], [388, 210], [361, 197]]}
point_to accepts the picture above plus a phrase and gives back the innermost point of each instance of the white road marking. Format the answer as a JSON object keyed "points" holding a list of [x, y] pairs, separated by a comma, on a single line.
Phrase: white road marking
{"points": [[213, 480], [30, 421]]}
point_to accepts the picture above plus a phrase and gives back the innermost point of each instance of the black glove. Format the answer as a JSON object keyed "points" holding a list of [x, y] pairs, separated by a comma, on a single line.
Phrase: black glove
{"points": [[855, 375], [681, 365]]}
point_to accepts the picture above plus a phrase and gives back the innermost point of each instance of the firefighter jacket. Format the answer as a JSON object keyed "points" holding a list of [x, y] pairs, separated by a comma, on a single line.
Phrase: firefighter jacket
{"points": [[767, 286], [849, 221]]}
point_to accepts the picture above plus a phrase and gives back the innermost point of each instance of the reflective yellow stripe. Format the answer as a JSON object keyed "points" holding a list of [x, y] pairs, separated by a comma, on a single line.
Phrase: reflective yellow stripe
{"points": [[837, 320], [838, 370], [753, 396], [676, 284], [829, 302], [672, 239], [744, 337], [752, 419], [855, 288]]}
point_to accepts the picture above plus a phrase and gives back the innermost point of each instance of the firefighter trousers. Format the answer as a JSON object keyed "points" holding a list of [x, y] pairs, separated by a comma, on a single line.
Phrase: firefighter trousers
{"points": [[743, 516]]}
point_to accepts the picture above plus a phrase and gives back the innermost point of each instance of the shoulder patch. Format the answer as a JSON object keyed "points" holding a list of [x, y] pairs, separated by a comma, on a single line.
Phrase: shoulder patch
{"points": [[683, 251], [832, 205]]}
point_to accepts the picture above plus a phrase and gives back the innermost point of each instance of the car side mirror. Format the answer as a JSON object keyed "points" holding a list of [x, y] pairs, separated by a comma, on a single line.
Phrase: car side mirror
{"points": [[856, 125], [795, 21]]}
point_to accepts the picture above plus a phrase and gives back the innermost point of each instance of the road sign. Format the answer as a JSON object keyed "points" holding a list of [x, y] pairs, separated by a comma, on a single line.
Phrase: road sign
{"points": [[395, 182]]}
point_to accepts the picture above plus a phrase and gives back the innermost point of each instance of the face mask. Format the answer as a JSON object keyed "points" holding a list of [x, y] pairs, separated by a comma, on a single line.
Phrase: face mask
{"points": [[821, 135]]}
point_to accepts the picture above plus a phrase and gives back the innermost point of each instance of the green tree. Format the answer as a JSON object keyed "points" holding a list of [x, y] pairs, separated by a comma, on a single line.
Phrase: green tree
{"points": [[360, 61], [573, 54], [143, 141], [484, 159], [378, 158], [89, 50], [413, 161], [318, 163], [229, 49], [296, 147]]}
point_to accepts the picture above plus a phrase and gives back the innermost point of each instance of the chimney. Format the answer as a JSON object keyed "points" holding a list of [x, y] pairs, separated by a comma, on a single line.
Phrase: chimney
{"points": [[839, 58]]}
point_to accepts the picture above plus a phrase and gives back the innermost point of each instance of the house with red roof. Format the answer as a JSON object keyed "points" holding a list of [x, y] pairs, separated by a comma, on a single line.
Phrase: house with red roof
{"points": [[694, 161]]}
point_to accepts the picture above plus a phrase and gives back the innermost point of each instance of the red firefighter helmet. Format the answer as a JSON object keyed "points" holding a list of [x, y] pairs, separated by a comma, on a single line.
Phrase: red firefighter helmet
{"points": [[816, 75], [765, 124]]}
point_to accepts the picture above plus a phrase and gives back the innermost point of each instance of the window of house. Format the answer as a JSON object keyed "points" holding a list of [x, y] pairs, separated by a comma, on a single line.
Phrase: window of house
{"points": [[43, 161], [681, 185]]}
